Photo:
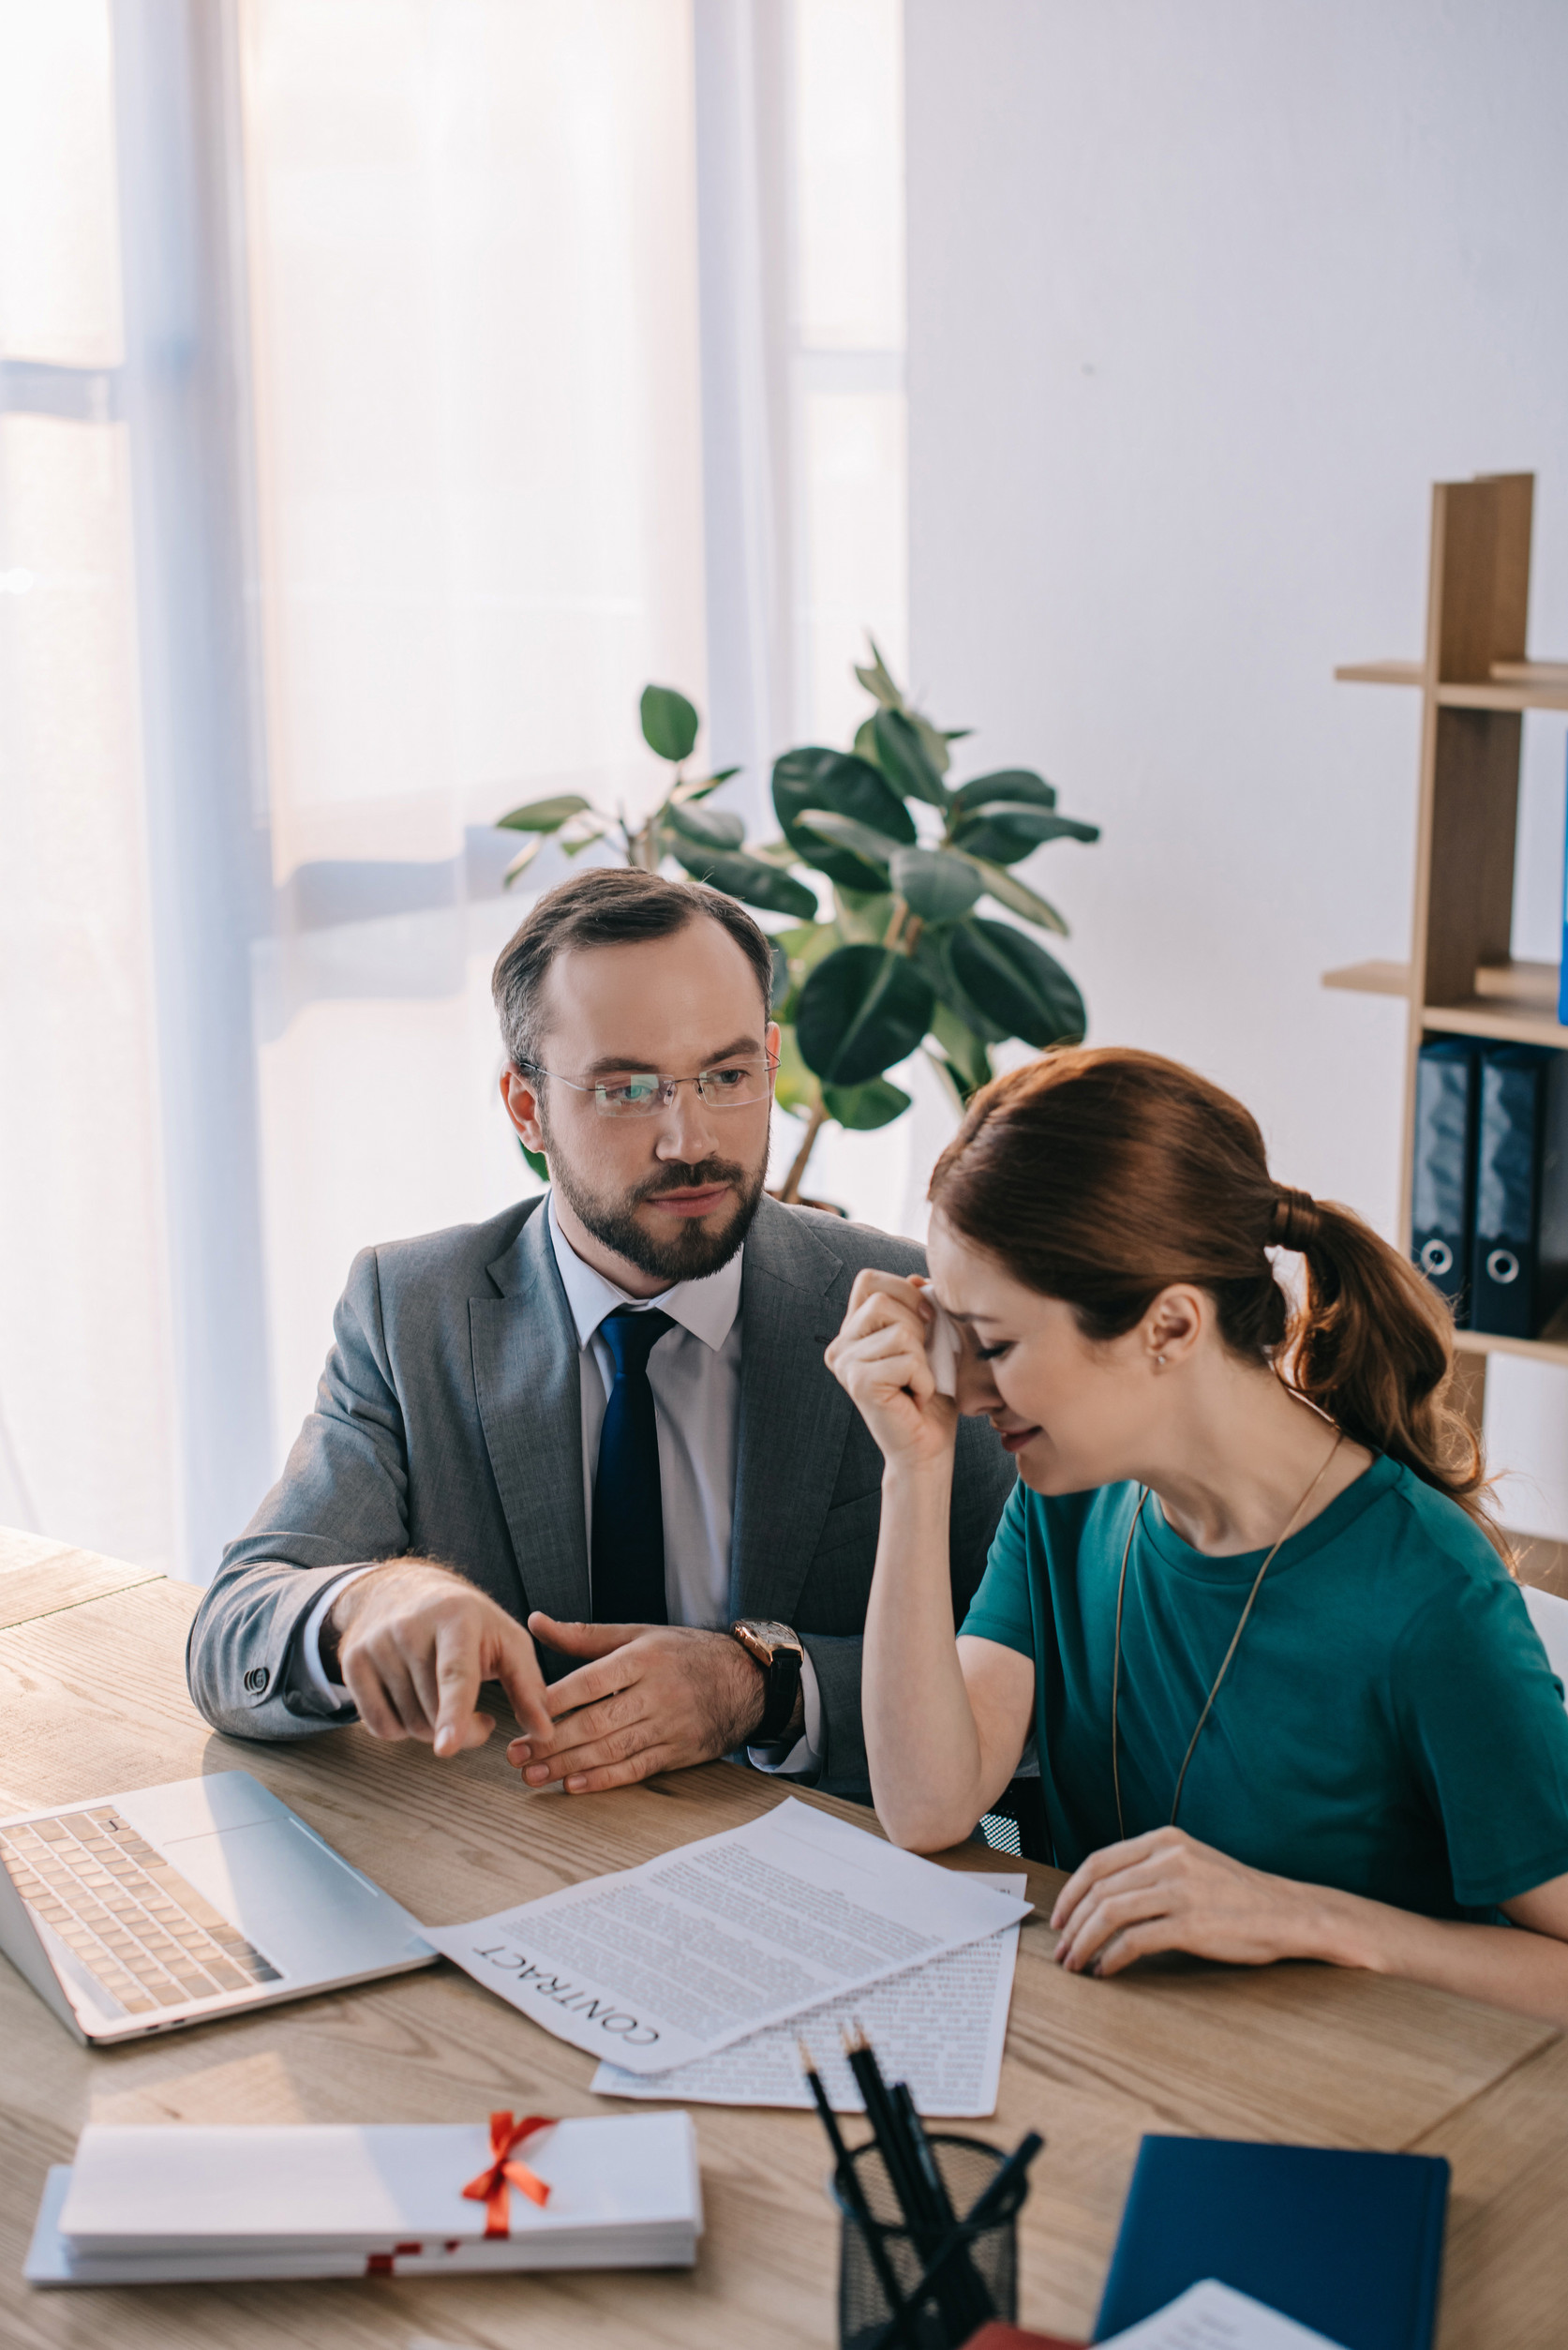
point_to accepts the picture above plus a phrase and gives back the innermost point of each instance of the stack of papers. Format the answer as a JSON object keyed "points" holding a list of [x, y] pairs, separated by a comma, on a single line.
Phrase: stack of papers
{"points": [[185, 2205], [657, 1965], [940, 2028]]}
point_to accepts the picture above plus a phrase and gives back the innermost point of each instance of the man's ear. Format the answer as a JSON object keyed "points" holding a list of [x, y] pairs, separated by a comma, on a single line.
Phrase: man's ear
{"points": [[521, 1102]]}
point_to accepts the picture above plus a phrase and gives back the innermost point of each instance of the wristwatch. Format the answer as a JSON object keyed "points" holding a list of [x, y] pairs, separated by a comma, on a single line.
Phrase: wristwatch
{"points": [[778, 1651]]}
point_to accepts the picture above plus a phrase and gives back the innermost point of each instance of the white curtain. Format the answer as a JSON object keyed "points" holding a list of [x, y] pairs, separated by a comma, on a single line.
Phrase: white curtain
{"points": [[85, 1373], [379, 381], [474, 326]]}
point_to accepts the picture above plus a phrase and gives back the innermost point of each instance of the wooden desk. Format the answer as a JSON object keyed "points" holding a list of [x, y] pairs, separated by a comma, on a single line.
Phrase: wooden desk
{"points": [[92, 1699]]}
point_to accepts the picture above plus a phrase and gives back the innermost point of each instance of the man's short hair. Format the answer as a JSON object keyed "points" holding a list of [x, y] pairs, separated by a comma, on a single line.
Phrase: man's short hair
{"points": [[608, 905]]}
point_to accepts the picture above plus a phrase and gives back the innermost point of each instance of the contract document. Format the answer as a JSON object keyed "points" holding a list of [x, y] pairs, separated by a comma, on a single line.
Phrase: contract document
{"points": [[939, 2027], [658, 1965]]}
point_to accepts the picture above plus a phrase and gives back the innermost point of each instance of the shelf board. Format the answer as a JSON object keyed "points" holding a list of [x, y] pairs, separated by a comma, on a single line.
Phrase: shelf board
{"points": [[1371, 978], [1539, 696], [1485, 1343], [1513, 1003], [1380, 673], [1512, 685], [1531, 672]]}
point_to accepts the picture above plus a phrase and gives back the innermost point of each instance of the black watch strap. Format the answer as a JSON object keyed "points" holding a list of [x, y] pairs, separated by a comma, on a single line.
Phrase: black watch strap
{"points": [[777, 1650]]}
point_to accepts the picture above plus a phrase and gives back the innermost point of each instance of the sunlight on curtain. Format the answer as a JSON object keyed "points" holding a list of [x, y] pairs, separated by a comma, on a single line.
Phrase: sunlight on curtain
{"points": [[850, 474], [85, 1397], [473, 274], [848, 341]]}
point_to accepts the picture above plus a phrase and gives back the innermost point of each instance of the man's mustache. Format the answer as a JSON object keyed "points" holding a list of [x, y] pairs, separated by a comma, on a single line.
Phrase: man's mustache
{"points": [[695, 1179]]}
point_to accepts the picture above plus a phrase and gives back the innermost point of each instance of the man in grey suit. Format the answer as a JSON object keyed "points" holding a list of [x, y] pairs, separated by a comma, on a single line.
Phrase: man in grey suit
{"points": [[590, 1449]]}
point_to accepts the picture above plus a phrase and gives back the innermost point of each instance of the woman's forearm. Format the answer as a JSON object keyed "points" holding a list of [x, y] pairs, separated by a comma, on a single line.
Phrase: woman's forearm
{"points": [[1507, 1965], [921, 1741]]}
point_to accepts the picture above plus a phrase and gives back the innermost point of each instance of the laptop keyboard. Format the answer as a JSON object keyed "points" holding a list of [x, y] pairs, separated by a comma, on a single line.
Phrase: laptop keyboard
{"points": [[149, 1938]]}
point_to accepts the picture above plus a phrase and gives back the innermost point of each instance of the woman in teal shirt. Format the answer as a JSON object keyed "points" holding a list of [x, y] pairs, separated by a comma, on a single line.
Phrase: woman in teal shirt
{"points": [[1286, 1697]]}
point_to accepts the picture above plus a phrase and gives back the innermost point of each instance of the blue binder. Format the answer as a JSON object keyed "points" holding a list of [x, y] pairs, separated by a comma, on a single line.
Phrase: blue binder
{"points": [[1520, 1271], [1348, 2243], [1443, 1187]]}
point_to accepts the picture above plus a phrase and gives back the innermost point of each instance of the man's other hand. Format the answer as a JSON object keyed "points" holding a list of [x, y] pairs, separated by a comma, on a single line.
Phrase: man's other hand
{"points": [[414, 1642], [653, 1697]]}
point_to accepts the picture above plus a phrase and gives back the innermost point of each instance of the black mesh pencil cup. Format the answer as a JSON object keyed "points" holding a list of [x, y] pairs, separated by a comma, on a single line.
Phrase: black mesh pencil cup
{"points": [[942, 2301]]}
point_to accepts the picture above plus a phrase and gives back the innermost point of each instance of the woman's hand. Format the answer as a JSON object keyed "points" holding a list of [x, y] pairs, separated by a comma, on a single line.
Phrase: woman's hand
{"points": [[879, 1359], [1165, 1891]]}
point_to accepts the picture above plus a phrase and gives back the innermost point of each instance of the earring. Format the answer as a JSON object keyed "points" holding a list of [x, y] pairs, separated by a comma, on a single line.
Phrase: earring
{"points": [[1159, 1362]]}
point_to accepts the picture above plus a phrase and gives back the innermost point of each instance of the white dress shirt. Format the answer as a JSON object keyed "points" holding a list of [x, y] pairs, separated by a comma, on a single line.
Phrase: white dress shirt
{"points": [[695, 1373]]}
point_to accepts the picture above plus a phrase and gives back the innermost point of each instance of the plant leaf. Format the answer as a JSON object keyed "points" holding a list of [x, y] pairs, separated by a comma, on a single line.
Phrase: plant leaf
{"points": [[1022, 988], [934, 884], [793, 1087], [844, 832], [860, 1010], [669, 722], [935, 741], [1007, 889], [1007, 783], [878, 679], [715, 828], [543, 816], [814, 778], [524, 858], [963, 1051], [865, 739], [1008, 829], [582, 830], [902, 757], [698, 786], [535, 1160], [745, 877], [863, 1108]]}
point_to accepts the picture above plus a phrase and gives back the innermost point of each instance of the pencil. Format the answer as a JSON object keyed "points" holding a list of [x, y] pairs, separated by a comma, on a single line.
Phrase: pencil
{"points": [[851, 2189]]}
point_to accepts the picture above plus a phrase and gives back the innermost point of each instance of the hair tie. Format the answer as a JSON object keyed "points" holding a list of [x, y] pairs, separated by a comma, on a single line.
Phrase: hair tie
{"points": [[1296, 1222]]}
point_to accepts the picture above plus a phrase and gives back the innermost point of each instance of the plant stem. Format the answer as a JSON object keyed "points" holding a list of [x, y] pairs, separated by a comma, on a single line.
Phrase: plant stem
{"points": [[792, 1182]]}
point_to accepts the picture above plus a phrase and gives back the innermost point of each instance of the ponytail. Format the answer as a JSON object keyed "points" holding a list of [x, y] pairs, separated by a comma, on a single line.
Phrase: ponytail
{"points": [[1372, 1346], [1102, 1177]]}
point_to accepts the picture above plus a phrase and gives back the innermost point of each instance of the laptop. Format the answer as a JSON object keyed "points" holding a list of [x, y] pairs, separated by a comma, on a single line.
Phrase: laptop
{"points": [[205, 1897]]}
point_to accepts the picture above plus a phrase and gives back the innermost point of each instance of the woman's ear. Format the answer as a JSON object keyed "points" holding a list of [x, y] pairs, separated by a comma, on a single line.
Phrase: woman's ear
{"points": [[1174, 1326]]}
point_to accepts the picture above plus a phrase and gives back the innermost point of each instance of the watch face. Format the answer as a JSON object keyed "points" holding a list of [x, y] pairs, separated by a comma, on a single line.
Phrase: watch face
{"points": [[763, 1638]]}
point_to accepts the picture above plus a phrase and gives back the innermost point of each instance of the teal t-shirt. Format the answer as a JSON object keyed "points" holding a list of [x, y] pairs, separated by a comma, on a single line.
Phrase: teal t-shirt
{"points": [[1389, 1725]]}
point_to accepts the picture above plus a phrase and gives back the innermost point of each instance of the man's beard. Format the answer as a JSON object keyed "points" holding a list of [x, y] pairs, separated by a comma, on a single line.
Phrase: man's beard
{"points": [[691, 1253]]}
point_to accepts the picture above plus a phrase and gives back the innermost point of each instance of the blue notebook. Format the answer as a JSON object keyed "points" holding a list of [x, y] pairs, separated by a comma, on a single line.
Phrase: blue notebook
{"points": [[1348, 2243]]}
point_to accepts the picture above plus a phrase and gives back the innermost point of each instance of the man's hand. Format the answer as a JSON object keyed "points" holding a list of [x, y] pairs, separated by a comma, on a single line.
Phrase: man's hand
{"points": [[1165, 1891], [414, 1642], [655, 1697]]}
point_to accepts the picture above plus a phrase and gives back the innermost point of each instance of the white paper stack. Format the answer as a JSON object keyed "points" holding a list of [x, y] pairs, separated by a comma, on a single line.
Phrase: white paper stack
{"points": [[183, 2205]]}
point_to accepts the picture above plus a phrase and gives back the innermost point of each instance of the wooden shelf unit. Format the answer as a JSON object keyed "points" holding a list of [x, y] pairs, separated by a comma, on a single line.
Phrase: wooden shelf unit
{"points": [[1475, 685]]}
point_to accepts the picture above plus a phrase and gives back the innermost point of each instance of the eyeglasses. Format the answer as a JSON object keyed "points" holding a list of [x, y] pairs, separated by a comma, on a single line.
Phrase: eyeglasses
{"points": [[736, 1085]]}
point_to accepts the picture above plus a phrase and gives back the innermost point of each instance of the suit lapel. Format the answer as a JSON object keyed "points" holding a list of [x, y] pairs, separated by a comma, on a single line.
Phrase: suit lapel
{"points": [[794, 1414], [526, 1372]]}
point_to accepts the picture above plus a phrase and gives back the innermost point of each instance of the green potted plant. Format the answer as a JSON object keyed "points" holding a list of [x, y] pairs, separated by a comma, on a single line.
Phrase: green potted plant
{"points": [[904, 960]]}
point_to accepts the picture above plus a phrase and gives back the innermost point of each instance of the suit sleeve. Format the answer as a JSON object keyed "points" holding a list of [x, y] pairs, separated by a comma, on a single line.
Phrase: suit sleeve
{"points": [[342, 1500], [983, 1478]]}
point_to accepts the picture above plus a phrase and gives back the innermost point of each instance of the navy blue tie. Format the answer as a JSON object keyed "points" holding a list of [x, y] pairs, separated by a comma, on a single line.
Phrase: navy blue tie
{"points": [[628, 1506]]}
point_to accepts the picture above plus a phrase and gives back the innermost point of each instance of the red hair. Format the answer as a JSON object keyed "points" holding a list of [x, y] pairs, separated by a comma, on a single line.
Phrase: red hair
{"points": [[1103, 1177]]}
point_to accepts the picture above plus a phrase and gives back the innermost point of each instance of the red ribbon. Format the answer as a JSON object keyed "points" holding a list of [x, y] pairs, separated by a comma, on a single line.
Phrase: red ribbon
{"points": [[491, 2187]]}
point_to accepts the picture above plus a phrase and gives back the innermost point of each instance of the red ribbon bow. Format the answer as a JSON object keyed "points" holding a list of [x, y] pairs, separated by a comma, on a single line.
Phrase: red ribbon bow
{"points": [[491, 2187]]}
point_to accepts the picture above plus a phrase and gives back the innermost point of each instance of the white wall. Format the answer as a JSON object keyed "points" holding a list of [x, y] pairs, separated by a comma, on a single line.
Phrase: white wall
{"points": [[1202, 299]]}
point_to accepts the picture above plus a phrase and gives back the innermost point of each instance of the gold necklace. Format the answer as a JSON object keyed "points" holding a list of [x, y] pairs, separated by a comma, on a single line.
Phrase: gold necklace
{"points": [[1225, 1666]]}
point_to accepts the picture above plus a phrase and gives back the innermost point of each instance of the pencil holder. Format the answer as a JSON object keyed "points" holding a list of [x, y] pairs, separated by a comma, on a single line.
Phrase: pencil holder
{"points": [[942, 2310]]}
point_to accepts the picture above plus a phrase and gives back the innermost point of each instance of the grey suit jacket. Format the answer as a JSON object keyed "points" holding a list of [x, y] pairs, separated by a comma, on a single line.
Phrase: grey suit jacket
{"points": [[448, 1423]]}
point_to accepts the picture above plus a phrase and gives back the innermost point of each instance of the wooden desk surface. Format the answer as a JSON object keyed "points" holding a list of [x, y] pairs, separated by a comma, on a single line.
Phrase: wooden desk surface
{"points": [[93, 1700]]}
